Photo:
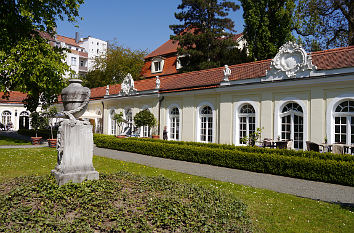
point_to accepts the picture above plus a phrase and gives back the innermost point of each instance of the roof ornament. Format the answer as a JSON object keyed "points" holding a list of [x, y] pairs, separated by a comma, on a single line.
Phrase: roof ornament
{"points": [[227, 73], [158, 82], [127, 86], [107, 90], [291, 61]]}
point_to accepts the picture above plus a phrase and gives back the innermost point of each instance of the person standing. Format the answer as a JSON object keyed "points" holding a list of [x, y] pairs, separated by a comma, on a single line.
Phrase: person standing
{"points": [[164, 134]]}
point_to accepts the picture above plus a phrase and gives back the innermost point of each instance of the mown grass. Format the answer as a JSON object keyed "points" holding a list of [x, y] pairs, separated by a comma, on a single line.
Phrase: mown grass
{"points": [[270, 211], [12, 141]]}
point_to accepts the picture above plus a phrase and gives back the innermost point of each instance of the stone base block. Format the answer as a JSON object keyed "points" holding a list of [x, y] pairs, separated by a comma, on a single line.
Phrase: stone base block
{"points": [[75, 177]]}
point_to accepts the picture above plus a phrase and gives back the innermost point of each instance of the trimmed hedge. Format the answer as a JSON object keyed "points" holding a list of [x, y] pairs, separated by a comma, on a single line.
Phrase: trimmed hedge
{"points": [[254, 149], [331, 171], [44, 133]]}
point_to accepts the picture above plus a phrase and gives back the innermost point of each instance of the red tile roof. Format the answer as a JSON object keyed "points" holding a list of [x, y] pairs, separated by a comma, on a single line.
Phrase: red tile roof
{"points": [[67, 40], [168, 68], [81, 54], [211, 78], [15, 97]]}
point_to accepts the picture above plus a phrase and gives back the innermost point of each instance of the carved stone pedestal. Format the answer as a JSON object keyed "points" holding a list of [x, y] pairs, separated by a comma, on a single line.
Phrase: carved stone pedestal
{"points": [[75, 152]]}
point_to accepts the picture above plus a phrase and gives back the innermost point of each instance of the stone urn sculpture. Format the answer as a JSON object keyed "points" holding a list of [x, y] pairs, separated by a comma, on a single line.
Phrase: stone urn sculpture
{"points": [[75, 99], [75, 138]]}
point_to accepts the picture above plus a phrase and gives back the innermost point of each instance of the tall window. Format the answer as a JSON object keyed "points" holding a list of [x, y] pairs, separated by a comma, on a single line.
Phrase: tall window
{"points": [[5, 117], [247, 121], [73, 61], [113, 124], [146, 131], [129, 122], [174, 124], [206, 124], [344, 122], [292, 124]]}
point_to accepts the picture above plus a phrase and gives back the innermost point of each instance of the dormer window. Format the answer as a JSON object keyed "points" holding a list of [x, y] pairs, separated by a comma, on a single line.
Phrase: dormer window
{"points": [[178, 62], [157, 65]]}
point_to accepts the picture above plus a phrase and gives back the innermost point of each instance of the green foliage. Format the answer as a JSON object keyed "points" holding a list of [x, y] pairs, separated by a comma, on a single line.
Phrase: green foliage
{"points": [[37, 121], [324, 24], [118, 203], [326, 170], [119, 121], [27, 62], [143, 118], [253, 137], [268, 25], [205, 35], [48, 115], [113, 68]]}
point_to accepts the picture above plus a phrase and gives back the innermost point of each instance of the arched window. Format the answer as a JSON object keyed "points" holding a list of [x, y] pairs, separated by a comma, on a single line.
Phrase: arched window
{"points": [[6, 117], [113, 123], [24, 120], [98, 122], [206, 124], [174, 124], [292, 124], [247, 120], [344, 122], [128, 115]]}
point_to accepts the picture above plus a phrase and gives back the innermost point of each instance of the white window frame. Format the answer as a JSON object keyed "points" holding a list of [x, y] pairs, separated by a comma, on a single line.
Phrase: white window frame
{"points": [[237, 107], [132, 118], [168, 122], [198, 120], [112, 123], [73, 61], [160, 61], [292, 122], [279, 105], [145, 130], [331, 107], [178, 62], [5, 119]]}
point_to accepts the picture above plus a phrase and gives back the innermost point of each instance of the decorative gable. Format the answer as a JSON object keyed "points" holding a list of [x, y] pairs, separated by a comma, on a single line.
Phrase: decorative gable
{"points": [[127, 86], [291, 61]]}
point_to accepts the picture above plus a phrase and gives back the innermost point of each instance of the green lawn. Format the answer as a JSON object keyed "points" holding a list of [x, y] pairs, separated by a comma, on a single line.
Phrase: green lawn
{"points": [[269, 211], [12, 141]]}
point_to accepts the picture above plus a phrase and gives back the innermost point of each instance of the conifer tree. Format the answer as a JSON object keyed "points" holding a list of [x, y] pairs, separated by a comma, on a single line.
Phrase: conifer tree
{"points": [[205, 34], [268, 25]]}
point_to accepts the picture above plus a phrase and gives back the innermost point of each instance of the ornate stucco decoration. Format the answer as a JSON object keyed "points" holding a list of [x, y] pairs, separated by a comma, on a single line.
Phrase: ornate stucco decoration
{"points": [[291, 61], [107, 90], [227, 74], [127, 86]]}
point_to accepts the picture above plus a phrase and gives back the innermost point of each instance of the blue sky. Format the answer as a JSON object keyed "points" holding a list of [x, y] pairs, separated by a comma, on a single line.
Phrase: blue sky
{"points": [[137, 24]]}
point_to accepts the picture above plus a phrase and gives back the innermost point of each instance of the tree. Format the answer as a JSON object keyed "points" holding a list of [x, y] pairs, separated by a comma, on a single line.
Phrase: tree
{"points": [[112, 68], [119, 119], [145, 118], [37, 121], [205, 34], [27, 62], [48, 115], [324, 24], [268, 25]]}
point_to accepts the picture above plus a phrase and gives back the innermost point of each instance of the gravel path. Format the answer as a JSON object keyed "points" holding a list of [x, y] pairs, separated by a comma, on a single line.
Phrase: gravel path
{"points": [[302, 188]]}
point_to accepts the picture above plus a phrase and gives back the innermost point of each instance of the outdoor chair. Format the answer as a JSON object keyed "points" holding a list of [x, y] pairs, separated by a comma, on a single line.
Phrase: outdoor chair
{"points": [[311, 146], [282, 145], [267, 142]]}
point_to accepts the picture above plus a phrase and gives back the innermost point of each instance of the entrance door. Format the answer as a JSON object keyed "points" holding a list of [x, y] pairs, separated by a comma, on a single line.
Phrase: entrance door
{"points": [[24, 120]]}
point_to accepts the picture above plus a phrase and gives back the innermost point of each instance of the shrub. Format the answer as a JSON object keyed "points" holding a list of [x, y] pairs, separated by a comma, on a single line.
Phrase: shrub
{"points": [[312, 168], [44, 133]]}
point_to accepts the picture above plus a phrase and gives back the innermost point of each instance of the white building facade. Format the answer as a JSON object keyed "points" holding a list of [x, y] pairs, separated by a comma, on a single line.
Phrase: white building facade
{"points": [[296, 96]]}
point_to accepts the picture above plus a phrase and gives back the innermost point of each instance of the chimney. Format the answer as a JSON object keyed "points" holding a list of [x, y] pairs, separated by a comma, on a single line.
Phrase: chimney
{"points": [[77, 38]]}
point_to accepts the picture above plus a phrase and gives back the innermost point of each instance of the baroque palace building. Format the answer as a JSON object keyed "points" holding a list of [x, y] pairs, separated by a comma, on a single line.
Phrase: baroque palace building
{"points": [[295, 96]]}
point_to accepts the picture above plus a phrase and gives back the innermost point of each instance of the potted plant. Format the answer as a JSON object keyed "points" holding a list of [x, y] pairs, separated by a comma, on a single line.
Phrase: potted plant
{"points": [[145, 118], [253, 137], [36, 122], [48, 115], [119, 120]]}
